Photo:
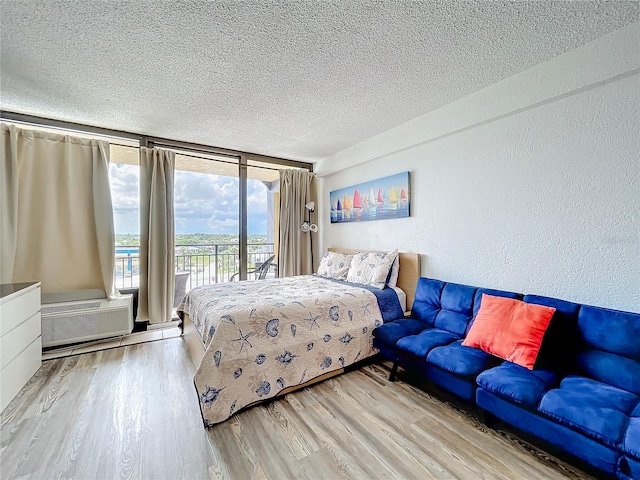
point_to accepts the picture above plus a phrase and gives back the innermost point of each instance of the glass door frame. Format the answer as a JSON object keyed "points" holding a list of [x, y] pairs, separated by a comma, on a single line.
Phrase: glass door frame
{"points": [[243, 165]]}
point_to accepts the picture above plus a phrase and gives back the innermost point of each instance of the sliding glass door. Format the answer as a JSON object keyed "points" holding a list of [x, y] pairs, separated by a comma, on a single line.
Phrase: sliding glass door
{"points": [[124, 179], [263, 204], [207, 218], [215, 241]]}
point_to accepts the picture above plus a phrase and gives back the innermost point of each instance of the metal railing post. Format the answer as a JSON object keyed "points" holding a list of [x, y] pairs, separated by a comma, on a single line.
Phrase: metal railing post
{"points": [[216, 262]]}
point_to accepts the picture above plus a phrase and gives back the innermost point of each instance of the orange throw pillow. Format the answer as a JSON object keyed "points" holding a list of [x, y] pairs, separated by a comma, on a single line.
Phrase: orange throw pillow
{"points": [[509, 329]]}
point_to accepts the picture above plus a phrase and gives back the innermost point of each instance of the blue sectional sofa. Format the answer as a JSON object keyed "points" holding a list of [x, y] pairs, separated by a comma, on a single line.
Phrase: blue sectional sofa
{"points": [[583, 396]]}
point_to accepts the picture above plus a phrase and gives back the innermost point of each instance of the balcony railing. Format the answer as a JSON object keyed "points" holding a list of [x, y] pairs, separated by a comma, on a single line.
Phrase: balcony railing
{"points": [[207, 263]]}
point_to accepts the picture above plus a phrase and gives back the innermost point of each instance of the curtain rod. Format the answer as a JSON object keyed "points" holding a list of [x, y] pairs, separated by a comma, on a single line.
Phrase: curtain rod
{"points": [[60, 124], [65, 131], [177, 151], [144, 139]]}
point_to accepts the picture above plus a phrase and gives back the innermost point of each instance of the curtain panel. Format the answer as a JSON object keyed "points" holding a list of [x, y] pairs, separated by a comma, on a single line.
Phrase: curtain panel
{"points": [[56, 214], [297, 250], [157, 235]]}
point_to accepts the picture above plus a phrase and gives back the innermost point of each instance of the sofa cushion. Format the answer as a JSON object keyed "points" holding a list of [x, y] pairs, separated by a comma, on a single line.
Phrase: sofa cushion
{"points": [[461, 387], [517, 384], [628, 468], [611, 330], [457, 304], [612, 350], [595, 453], [631, 442], [447, 306], [426, 303], [425, 341], [561, 341], [621, 372], [390, 333], [510, 329], [460, 360], [593, 408]]}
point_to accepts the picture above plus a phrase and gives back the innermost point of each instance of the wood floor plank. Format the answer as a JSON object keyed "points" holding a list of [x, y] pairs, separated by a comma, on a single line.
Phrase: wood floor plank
{"points": [[133, 413], [399, 427], [337, 442], [324, 464], [389, 422], [300, 442], [53, 412], [235, 449], [402, 459]]}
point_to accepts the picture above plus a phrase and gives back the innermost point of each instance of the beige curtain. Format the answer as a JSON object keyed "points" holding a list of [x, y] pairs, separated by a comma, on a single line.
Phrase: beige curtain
{"points": [[57, 217], [8, 204], [298, 250], [157, 239]]}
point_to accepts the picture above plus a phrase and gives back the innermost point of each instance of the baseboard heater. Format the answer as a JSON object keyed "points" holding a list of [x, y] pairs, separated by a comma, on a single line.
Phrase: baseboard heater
{"points": [[76, 317]]}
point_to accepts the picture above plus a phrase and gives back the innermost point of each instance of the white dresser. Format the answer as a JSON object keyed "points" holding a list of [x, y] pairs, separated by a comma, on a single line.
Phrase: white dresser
{"points": [[20, 337]]}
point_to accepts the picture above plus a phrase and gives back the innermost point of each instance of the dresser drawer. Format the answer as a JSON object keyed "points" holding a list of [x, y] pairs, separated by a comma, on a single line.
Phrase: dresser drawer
{"points": [[18, 372], [18, 339], [17, 310]]}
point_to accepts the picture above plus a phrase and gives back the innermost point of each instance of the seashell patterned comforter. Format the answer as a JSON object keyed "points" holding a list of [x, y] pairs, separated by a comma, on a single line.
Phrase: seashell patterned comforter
{"points": [[263, 336]]}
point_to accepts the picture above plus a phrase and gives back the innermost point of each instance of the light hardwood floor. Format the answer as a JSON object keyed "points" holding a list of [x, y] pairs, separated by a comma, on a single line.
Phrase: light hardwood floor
{"points": [[132, 412]]}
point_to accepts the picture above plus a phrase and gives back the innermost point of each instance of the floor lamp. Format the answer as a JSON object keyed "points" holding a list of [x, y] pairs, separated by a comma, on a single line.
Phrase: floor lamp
{"points": [[307, 226]]}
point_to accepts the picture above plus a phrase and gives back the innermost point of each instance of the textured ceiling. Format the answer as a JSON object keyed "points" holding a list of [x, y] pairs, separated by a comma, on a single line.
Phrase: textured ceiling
{"points": [[295, 79]]}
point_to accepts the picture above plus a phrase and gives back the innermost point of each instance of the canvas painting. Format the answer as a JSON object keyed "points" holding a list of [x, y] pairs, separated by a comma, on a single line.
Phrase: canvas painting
{"points": [[379, 199]]}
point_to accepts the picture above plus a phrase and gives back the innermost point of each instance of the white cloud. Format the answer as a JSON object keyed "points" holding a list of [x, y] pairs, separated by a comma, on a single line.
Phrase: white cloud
{"points": [[203, 203], [125, 186]]}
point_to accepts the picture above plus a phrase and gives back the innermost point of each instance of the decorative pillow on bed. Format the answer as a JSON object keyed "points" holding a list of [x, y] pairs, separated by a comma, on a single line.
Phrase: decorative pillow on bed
{"points": [[335, 265], [392, 279], [371, 268]]}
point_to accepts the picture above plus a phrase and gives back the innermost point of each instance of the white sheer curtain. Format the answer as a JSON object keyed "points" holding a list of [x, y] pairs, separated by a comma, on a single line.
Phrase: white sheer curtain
{"points": [[297, 250], [157, 239], [56, 213]]}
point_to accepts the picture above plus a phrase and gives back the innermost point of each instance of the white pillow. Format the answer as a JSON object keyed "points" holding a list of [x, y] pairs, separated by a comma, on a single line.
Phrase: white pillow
{"points": [[371, 268], [335, 265], [393, 275]]}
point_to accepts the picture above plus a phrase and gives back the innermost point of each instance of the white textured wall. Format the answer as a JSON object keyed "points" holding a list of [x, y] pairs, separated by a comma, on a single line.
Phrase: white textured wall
{"points": [[532, 184]]}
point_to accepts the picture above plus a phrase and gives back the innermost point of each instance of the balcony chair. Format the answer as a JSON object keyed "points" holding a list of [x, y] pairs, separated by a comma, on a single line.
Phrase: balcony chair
{"points": [[181, 287], [260, 271]]}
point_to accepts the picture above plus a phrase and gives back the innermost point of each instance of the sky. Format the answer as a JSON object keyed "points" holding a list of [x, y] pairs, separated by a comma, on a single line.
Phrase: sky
{"points": [[204, 203]]}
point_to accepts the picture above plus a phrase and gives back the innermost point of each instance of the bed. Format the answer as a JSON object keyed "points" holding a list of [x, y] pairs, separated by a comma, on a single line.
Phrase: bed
{"points": [[251, 341]]}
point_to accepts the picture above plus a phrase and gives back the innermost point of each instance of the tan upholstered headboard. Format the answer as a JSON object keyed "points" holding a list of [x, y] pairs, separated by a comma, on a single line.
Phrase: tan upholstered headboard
{"points": [[408, 274]]}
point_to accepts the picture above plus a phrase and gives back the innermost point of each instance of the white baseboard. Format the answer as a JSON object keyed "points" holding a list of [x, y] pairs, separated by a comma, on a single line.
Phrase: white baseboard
{"points": [[159, 326]]}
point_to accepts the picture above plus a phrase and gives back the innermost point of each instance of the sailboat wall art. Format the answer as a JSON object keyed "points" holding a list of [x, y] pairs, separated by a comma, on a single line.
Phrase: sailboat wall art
{"points": [[379, 199]]}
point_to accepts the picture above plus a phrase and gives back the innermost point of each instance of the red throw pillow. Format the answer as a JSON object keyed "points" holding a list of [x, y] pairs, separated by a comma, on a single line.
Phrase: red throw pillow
{"points": [[509, 329]]}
